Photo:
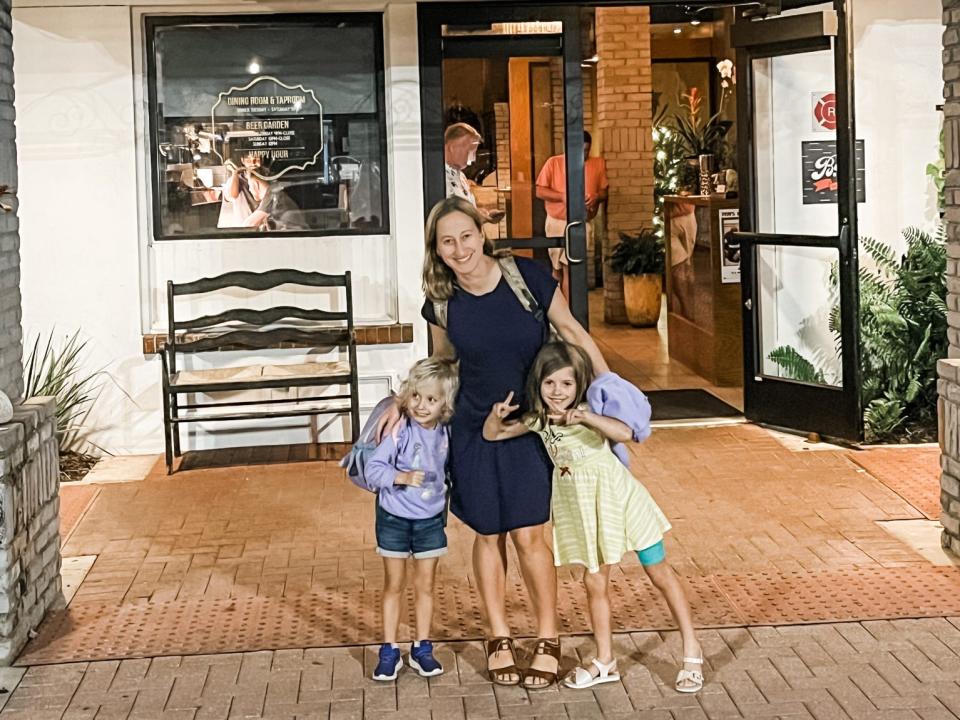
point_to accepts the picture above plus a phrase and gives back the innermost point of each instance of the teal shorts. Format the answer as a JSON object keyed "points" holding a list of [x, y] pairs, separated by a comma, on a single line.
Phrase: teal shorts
{"points": [[652, 555]]}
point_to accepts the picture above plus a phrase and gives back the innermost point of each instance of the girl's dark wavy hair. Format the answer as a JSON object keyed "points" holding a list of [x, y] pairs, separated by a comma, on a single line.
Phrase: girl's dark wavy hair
{"points": [[552, 357]]}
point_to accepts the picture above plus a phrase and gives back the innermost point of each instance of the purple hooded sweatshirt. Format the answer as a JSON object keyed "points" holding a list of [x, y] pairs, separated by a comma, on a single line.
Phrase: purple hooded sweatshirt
{"points": [[412, 447], [612, 396]]}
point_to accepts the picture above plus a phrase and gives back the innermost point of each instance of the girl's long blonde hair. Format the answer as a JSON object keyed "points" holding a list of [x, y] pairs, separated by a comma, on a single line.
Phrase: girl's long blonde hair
{"points": [[555, 356], [444, 371], [438, 278]]}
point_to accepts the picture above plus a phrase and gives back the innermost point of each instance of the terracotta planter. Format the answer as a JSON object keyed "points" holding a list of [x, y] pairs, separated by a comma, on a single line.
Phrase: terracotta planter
{"points": [[641, 293]]}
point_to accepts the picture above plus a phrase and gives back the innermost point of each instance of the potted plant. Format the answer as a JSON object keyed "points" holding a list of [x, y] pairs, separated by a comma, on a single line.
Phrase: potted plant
{"points": [[704, 140], [640, 258]]}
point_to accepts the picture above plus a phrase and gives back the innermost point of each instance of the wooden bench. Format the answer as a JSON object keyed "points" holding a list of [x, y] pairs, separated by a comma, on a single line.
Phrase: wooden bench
{"points": [[249, 329]]}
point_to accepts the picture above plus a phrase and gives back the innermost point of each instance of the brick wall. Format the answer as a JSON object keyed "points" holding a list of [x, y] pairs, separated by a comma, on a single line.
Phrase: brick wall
{"points": [[624, 122], [11, 373], [501, 113], [556, 103], [949, 370]]}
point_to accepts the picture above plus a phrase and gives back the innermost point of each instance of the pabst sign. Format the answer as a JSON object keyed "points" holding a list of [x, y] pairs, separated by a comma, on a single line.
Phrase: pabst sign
{"points": [[825, 111], [824, 175], [819, 160]]}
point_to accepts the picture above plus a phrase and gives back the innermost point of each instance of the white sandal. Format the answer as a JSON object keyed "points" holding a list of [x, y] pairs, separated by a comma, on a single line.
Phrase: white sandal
{"points": [[690, 676], [582, 678]]}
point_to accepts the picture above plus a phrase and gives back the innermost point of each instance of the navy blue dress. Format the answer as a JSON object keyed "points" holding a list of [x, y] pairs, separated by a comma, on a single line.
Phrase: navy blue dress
{"points": [[504, 485]]}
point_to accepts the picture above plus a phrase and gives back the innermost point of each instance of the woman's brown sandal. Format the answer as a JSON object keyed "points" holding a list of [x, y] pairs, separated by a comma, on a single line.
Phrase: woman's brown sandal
{"points": [[509, 674], [543, 678]]}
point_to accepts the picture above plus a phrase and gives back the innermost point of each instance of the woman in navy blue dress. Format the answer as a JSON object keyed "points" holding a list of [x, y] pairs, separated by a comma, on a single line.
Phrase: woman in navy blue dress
{"points": [[500, 488]]}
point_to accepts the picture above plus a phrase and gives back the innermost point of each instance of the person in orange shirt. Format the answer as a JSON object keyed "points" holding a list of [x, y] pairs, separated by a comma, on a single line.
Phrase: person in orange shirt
{"points": [[552, 189]]}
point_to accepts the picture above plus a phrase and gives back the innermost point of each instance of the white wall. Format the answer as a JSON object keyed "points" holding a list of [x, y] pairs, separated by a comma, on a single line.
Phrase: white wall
{"points": [[78, 193], [87, 261], [899, 84]]}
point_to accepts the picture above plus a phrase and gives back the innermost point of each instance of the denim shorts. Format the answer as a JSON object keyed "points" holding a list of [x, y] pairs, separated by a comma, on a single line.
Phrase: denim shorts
{"points": [[399, 537]]}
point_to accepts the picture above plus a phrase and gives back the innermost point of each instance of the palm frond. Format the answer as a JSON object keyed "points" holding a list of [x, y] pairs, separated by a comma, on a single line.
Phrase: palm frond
{"points": [[58, 372]]}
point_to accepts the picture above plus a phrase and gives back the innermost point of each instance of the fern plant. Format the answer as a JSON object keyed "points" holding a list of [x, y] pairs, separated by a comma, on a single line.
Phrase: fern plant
{"points": [[937, 172], [640, 254], [795, 366], [903, 332]]}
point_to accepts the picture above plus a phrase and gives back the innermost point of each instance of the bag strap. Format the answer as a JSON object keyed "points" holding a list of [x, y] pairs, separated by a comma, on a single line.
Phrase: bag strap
{"points": [[511, 273]]}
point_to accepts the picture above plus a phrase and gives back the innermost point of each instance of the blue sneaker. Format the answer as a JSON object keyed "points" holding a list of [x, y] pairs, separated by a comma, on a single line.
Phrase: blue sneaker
{"points": [[390, 663], [422, 659]]}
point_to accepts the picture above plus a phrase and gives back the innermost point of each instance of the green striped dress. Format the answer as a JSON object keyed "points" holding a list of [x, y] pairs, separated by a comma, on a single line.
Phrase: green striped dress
{"points": [[599, 510]]}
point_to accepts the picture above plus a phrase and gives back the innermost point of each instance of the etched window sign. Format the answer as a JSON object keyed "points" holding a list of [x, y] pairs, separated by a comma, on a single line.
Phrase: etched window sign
{"points": [[280, 124], [819, 161]]}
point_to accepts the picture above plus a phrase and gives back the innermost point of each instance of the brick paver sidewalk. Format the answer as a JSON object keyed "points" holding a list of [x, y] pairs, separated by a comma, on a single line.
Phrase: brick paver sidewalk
{"points": [[913, 473], [883, 670]]}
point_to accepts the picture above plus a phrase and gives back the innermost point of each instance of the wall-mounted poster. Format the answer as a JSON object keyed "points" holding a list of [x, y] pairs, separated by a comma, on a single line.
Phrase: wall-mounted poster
{"points": [[819, 161], [824, 112], [729, 221]]}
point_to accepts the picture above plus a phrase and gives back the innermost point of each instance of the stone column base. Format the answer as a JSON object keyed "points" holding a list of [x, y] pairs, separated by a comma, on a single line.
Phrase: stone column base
{"points": [[29, 523], [948, 411]]}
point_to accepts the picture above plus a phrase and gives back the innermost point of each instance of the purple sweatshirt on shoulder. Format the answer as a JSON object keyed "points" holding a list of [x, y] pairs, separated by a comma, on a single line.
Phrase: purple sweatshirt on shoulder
{"points": [[412, 447], [612, 396]]}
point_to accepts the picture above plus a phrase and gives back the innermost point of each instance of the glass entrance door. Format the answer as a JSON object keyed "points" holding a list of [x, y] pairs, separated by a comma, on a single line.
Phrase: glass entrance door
{"points": [[513, 75], [801, 178]]}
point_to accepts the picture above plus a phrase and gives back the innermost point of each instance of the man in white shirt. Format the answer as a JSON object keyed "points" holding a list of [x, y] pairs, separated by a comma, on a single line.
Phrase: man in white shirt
{"points": [[460, 143]]}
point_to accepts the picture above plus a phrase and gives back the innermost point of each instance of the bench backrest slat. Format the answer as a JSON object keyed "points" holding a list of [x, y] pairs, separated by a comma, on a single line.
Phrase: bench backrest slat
{"points": [[258, 317], [263, 339], [258, 281]]}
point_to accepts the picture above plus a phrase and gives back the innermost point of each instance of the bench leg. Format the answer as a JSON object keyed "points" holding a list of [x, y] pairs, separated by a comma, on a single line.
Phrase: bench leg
{"points": [[175, 426], [354, 410], [167, 429]]}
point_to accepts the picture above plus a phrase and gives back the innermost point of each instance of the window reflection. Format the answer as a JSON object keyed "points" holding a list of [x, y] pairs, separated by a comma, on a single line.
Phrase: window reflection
{"points": [[267, 126]]}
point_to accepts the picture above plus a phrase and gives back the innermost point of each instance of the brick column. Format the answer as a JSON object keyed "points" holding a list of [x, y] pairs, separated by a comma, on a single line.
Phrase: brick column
{"points": [[11, 350], [949, 369], [625, 124], [29, 459]]}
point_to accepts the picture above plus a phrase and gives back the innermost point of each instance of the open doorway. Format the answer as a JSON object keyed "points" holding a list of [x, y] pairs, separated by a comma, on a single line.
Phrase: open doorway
{"points": [[537, 83], [639, 71]]}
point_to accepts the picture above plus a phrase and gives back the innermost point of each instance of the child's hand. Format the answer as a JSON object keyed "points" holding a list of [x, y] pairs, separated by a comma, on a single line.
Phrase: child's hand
{"points": [[387, 421], [503, 409], [414, 478], [571, 416]]}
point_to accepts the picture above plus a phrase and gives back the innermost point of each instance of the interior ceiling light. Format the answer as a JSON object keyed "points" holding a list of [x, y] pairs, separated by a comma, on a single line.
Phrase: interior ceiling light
{"points": [[677, 31], [694, 22]]}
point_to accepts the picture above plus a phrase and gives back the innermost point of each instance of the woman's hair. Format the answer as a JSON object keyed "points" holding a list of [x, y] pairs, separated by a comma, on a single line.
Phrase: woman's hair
{"points": [[555, 356], [445, 372], [438, 278]]}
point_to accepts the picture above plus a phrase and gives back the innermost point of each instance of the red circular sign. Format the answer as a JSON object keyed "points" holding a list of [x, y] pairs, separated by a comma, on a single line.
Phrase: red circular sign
{"points": [[825, 111]]}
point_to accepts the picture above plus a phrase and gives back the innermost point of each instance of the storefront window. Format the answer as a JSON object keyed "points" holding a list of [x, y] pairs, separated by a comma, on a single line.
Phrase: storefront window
{"points": [[267, 125]]}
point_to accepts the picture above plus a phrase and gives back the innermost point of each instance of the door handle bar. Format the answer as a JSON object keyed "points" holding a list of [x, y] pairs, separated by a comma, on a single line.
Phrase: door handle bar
{"points": [[566, 241]]}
